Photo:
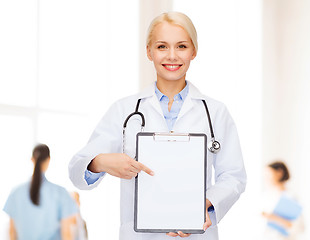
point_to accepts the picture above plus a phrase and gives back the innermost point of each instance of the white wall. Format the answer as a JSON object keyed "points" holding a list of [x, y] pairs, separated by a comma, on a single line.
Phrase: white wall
{"points": [[149, 9], [286, 89]]}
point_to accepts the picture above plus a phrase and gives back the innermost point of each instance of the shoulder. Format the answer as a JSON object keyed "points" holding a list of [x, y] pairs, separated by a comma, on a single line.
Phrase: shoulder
{"points": [[214, 106], [56, 189], [128, 103], [16, 198], [220, 115], [58, 193], [55, 186], [20, 189], [118, 110], [62, 199], [144, 93], [290, 194]]}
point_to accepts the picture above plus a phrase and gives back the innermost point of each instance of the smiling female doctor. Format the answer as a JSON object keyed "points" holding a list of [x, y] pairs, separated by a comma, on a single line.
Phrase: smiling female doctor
{"points": [[169, 104]]}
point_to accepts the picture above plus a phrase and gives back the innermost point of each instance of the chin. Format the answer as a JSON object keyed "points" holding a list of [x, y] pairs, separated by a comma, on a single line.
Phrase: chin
{"points": [[174, 79]]}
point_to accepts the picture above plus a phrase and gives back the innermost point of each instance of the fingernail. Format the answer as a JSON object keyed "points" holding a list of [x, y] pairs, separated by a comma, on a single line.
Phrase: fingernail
{"points": [[152, 173]]}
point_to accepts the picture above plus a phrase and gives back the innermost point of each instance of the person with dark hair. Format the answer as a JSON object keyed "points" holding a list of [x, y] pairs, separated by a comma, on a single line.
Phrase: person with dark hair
{"points": [[284, 218], [281, 173], [39, 209]]}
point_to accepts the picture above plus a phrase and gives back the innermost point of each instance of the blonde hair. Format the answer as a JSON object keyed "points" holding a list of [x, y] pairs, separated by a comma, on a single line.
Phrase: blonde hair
{"points": [[176, 18]]}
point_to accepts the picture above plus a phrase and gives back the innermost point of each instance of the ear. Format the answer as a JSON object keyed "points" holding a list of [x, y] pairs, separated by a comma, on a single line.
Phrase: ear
{"points": [[194, 54], [148, 53]]}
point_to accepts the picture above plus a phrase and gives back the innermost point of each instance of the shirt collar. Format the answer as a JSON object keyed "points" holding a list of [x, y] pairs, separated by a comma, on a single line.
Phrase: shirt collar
{"points": [[193, 92], [159, 94], [181, 94], [43, 177], [184, 92]]}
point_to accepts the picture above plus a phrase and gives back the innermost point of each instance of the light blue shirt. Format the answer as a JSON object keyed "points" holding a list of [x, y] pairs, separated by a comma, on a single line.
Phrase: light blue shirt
{"points": [[170, 117], [39, 222]]}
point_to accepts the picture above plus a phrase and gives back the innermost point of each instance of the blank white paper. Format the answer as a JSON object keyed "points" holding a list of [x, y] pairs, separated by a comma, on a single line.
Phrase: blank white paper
{"points": [[174, 198]]}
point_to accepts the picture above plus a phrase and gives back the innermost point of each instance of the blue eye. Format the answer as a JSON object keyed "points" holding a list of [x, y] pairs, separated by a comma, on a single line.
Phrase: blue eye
{"points": [[182, 46], [161, 47]]}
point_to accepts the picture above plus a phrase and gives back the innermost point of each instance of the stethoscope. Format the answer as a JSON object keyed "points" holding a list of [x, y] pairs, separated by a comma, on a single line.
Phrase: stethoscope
{"points": [[213, 145]]}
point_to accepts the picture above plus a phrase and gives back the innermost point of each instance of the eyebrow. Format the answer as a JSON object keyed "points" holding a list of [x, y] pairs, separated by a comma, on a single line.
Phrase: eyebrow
{"points": [[166, 42]]}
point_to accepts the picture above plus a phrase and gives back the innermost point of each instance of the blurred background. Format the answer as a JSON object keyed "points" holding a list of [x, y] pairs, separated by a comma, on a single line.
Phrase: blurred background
{"points": [[64, 62]]}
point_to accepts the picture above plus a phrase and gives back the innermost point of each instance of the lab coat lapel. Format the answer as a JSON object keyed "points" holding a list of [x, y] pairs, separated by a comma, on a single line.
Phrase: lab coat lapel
{"points": [[151, 98], [193, 93], [186, 106], [155, 104]]}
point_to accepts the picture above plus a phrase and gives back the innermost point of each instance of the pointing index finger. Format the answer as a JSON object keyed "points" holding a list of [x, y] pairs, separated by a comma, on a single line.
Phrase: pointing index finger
{"points": [[145, 169]]}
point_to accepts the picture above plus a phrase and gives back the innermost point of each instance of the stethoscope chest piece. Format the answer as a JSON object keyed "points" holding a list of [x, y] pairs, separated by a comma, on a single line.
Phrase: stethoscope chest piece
{"points": [[214, 146]]}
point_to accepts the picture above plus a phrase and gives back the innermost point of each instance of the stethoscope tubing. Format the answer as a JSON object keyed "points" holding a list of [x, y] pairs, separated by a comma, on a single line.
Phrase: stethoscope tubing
{"points": [[213, 146], [209, 119], [134, 113]]}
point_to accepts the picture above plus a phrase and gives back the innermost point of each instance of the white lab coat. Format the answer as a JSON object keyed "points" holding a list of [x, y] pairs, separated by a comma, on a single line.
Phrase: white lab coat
{"points": [[230, 176]]}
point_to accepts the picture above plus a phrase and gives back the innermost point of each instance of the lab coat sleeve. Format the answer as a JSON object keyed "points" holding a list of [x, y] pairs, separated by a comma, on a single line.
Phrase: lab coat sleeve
{"points": [[106, 138], [230, 176]]}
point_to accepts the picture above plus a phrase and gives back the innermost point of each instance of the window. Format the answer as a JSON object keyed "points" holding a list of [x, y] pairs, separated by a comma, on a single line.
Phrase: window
{"points": [[63, 63]]}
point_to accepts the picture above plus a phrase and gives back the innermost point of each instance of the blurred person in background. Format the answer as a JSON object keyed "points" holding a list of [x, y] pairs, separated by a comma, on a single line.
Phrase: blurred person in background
{"points": [[282, 211], [79, 228], [39, 209]]}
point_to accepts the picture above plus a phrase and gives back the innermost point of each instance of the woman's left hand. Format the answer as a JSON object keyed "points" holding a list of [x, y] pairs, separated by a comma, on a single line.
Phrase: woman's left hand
{"points": [[179, 233], [207, 224]]}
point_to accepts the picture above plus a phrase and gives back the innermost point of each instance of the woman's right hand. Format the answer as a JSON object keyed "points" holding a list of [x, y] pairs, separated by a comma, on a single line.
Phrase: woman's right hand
{"points": [[118, 165]]}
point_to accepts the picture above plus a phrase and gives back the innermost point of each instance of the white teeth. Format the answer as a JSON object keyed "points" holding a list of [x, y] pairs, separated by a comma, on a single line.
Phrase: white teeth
{"points": [[172, 66]]}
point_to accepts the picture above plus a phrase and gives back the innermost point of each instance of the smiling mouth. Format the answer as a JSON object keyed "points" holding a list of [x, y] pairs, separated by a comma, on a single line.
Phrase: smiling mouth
{"points": [[172, 67]]}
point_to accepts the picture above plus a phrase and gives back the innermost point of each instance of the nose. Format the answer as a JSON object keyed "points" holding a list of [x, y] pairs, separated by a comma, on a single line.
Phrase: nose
{"points": [[172, 55]]}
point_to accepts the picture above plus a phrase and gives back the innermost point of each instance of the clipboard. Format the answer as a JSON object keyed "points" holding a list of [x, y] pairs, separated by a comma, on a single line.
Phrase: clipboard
{"points": [[287, 208], [174, 199]]}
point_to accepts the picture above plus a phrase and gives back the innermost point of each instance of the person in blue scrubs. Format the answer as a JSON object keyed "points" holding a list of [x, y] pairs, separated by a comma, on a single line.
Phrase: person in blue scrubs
{"points": [[39, 209], [282, 210]]}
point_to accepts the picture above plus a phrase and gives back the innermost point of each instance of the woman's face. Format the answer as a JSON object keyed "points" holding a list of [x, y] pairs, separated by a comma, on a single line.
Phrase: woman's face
{"points": [[273, 176], [171, 50]]}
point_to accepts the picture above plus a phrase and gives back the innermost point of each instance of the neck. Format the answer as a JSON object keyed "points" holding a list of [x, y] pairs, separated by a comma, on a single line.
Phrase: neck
{"points": [[170, 88], [280, 186]]}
